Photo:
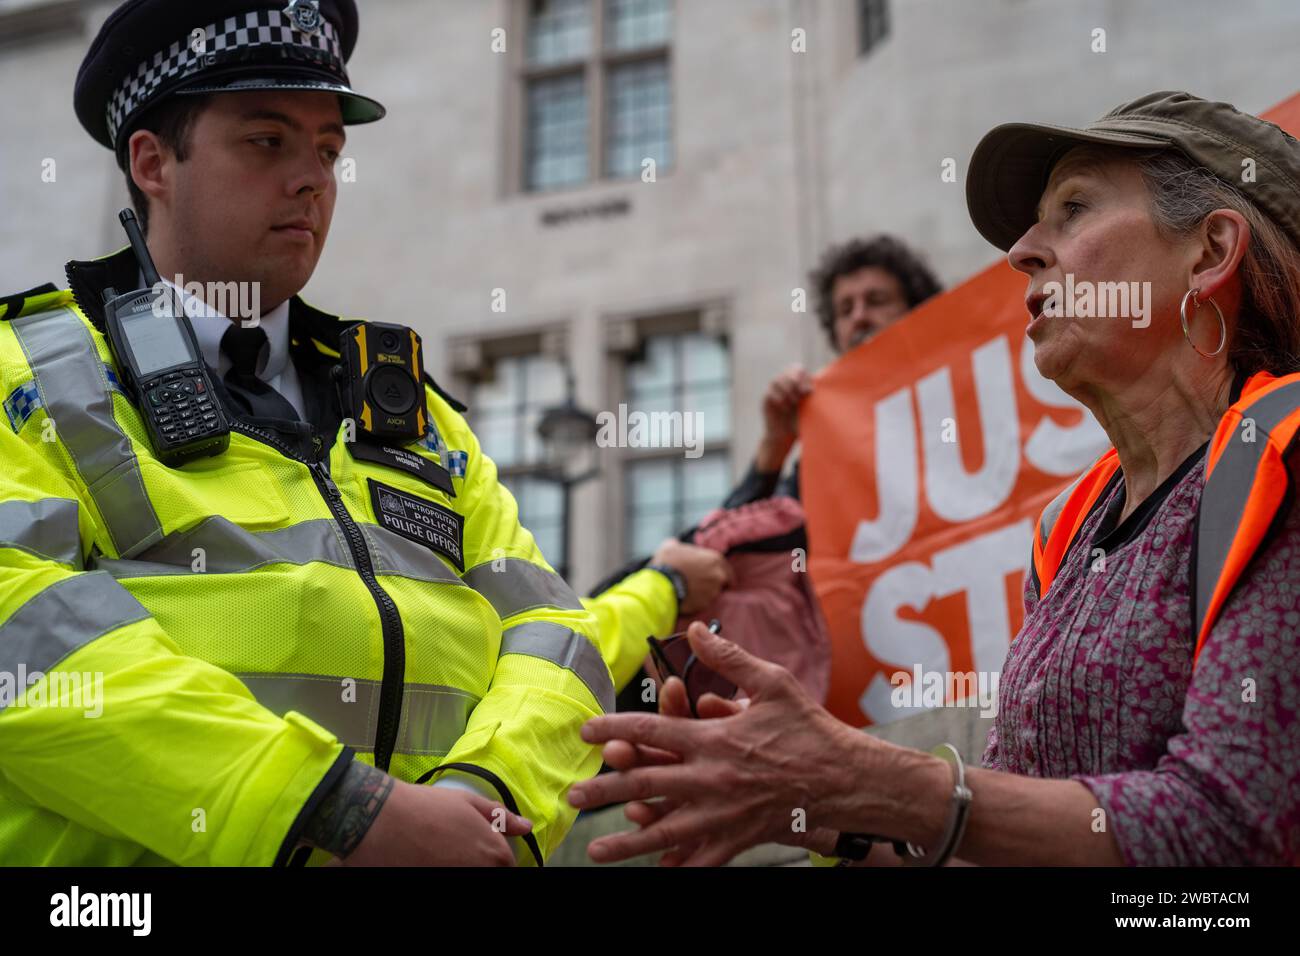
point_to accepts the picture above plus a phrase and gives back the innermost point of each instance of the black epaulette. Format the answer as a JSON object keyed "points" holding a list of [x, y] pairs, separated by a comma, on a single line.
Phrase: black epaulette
{"points": [[11, 306]]}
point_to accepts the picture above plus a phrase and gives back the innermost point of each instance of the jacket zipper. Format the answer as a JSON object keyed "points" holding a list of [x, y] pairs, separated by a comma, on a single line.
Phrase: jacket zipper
{"points": [[391, 688]]}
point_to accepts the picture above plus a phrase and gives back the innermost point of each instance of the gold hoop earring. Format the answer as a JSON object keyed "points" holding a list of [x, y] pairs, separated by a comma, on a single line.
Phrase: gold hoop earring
{"points": [[1196, 307]]}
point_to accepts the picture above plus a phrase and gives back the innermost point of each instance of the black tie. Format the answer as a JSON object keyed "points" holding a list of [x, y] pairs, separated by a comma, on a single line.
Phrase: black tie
{"points": [[244, 346]]}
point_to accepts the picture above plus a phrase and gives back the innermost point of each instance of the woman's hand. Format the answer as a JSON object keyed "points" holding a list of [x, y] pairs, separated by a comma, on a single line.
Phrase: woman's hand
{"points": [[756, 773], [622, 755]]}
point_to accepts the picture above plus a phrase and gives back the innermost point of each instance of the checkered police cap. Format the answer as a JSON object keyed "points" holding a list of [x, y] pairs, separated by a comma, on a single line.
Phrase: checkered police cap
{"points": [[150, 49]]}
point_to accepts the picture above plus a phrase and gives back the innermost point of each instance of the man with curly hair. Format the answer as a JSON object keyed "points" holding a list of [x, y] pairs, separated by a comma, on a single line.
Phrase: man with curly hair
{"points": [[860, 287]]}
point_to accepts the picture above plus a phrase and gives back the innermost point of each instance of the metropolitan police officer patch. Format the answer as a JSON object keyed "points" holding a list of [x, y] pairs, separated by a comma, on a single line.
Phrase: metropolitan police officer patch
{"points": [[437, 528]]}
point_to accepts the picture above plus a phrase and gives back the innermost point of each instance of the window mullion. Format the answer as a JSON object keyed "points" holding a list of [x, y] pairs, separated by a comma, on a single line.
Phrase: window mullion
{"points": [[596, 93]]}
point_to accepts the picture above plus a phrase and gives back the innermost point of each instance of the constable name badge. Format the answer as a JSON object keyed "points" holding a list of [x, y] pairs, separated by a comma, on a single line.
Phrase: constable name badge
{"points": [[427, 471], [437, 528]]}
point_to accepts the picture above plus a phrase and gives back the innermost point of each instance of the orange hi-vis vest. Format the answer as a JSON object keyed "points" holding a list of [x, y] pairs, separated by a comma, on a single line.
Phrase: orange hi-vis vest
{"points": [[1246, 485]]}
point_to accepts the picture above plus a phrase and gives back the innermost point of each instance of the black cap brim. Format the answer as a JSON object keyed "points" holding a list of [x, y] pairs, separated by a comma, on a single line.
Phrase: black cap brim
{"points": [[355, 107], [1010, 167]]}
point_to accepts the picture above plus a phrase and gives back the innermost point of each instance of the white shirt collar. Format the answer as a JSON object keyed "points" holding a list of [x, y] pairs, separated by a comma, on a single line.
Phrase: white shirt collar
{"points": [[210, 325]]}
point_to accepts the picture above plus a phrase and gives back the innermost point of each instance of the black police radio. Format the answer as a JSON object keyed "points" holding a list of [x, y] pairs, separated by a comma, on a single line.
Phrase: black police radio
{"points": [[162, 368], [381, 381]]}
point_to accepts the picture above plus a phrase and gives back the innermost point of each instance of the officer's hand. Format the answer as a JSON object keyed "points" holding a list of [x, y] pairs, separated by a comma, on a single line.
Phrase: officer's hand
{"points": [[706, 572], [438, 826], [781, 416]]}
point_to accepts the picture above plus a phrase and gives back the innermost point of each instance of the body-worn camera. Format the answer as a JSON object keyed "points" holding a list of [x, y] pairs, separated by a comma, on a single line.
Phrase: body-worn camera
{"points": [[382, 381], [161, 367]]}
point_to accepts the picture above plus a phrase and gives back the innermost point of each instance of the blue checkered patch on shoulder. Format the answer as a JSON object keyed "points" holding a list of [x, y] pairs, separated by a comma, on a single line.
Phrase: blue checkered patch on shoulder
{"points": [[26, 398], [431, 441], [20, 404], [455, 462]]}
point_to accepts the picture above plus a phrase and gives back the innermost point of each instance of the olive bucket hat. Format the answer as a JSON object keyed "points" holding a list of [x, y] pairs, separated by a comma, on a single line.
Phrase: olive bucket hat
{"points": [[1011, 164]]}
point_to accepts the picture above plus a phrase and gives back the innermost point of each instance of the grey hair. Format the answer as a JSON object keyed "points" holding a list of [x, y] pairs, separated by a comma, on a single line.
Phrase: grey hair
{"points": [[1267, 333]]}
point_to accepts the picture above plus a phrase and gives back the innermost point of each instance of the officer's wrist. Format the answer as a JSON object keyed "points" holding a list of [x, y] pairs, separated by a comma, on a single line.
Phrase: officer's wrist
{"points": [[347, 812], [675, 578]]}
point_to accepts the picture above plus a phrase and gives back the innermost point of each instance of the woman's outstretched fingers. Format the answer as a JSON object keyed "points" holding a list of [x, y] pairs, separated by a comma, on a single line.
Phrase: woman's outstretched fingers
{"points": [[750, 673], [642, 783], [678, 855], [665, 733], [710, 706], [622, 755], [645, 812], [672, 699], [671, 831]]}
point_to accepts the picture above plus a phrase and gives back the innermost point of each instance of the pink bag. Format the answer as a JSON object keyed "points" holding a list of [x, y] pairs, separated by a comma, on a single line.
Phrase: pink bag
{"points": [[770, 609]]}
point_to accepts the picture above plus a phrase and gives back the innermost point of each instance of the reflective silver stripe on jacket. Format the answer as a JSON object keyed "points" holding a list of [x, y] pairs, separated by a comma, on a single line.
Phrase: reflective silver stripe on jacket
{"points": [[567, 648], [433, 716], [514, 585], [74, 389], [1223, 502], [226, 548], [64, 617], [1052, 513], [392, 554], [45, 528]]}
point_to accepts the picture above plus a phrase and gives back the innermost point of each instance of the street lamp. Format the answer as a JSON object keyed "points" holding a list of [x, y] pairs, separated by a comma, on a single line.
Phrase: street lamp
{"points": [[568, 436]]}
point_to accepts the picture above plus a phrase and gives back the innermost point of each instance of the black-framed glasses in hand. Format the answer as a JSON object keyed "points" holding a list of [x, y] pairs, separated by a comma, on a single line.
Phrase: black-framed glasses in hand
{"points": [[673, 657]]}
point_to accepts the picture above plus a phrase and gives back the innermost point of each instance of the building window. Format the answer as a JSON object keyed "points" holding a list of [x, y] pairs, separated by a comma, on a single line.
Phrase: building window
{"points": [[873, 24], [636, 24], [507, 403], [559, 31], [557, 132], [666, 492], [638, 121], [595, 110]]}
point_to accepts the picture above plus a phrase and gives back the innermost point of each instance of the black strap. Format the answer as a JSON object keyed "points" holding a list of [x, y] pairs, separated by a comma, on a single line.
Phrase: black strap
{"points": [[507, 798], [11, 305]]}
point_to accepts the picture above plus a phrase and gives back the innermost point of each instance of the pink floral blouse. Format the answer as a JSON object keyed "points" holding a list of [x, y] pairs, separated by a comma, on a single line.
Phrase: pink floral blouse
{"points": [[1189, 767]]}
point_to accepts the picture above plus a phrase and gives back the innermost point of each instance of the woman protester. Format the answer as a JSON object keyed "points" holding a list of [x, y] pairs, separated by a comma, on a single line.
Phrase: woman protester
{"points": [[1149, 705]]}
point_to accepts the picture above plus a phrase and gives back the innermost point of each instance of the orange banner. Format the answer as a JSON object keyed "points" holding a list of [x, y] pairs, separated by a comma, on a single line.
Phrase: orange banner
{"points": [[928, 453]]}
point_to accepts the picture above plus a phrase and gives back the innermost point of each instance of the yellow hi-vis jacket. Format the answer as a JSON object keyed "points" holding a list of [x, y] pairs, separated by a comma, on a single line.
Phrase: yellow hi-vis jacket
{"points": [[195, 653], [642, 605]]}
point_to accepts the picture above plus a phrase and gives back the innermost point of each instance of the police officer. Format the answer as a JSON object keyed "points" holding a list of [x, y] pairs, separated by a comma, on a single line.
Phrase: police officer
{"points": [[308, 645]]}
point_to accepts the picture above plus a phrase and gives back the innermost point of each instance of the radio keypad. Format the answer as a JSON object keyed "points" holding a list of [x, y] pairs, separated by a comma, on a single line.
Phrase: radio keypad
{"points": [[182, 405]]}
